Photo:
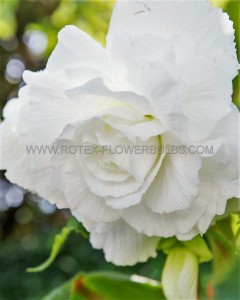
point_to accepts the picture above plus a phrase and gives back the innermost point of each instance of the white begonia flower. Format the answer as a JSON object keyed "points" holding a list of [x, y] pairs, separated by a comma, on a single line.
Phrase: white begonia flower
{"points": [[164, 78], [180, 275]]}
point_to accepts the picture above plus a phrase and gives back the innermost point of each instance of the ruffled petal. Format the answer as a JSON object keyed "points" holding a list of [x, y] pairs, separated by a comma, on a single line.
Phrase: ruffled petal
{"points": [[76, 48], [194, 27], [45, 106], [67, 177], [145, 221], [223, 167], [123, 246], [14, 156], [42, 177], [96, 87], [176, 184], [136, 197], [206, 89], [154, 80]]}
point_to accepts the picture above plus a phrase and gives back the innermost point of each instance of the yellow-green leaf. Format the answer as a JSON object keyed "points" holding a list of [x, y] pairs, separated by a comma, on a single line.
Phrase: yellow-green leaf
{"points": [[59, 240], [199, 247]]}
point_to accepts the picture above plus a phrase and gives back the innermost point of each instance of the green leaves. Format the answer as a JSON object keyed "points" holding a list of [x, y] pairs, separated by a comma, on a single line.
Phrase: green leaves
{"points": [[199, 247], [167, 244], [107, 285], [114, 285], [73, 225], [223, 239], [8, 24], [61, 292], [228, 287], [222, 243], [180, 271]]}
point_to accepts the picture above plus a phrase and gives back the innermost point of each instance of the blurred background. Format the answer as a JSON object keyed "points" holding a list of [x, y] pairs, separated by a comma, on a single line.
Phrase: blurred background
{"points": [[28, 34]]}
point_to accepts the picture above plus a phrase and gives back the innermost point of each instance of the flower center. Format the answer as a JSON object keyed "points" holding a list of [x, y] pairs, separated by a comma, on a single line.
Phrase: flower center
{"points": [[114, 156]]}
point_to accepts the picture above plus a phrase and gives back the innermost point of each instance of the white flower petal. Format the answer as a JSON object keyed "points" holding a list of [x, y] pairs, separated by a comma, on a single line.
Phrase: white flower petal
{"points": [[193, 25], [83, 202], [14, 157], [207, 89], [136, 197], [189, 235], [209, 203], [224, 166], [103, 172], [143, 129], [76, 76], [96, 87], [104, 188], [46, 106], [178, 223], [42, 175], [153, 79], [123, 246], [76, 48], [125, 48], [145, 221], [176, 184]]}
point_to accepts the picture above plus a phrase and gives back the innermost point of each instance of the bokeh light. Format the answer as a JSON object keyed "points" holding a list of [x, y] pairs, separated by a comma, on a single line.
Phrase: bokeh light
{"points": [[46, 207], [14, 70], [4, 187], [23, 215], [29, 242], [67, 264], [14, 196], [11, 195], [10, 44], [36, 41]]}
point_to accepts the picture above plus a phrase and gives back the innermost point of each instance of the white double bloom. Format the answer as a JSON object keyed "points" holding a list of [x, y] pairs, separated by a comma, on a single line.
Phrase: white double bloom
{"points": [[164, 78]]}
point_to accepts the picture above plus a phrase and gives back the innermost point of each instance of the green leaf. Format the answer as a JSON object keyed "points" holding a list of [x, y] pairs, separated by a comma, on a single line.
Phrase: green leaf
{"points": [[59, 240], [228, 287], [109, 285], [199, 247], [223, 236], [166, 244], [62, 292], [236, 230], [222, 242], [80, 291], [219, 3]]}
